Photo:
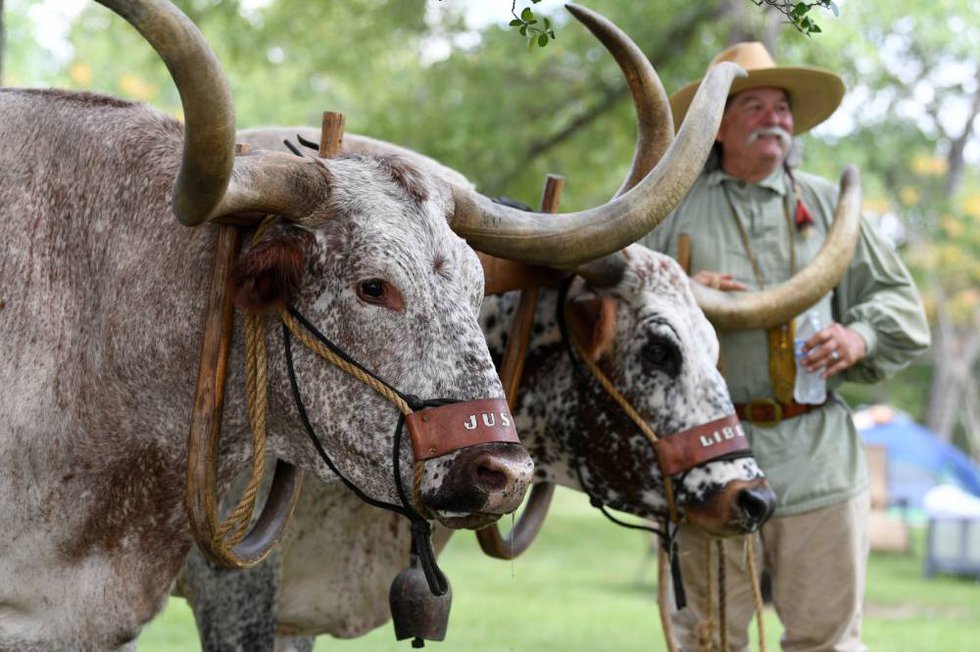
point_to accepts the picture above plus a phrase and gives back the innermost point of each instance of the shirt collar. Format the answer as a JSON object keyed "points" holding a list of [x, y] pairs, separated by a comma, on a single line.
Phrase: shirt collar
{"points": [[776, 182]]}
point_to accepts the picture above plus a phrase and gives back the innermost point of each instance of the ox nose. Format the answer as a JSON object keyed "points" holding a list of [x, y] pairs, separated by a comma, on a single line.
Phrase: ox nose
{"points": [[503, 476], [756, 505], [483, 482]]}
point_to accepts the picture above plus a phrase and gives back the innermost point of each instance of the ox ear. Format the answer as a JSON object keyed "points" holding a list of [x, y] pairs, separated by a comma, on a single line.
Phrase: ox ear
{"points": [[592, 322], [267, 274]]}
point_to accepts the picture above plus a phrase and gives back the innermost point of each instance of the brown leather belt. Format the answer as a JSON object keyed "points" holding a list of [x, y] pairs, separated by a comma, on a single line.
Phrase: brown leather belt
{"points": [[767, 412]]}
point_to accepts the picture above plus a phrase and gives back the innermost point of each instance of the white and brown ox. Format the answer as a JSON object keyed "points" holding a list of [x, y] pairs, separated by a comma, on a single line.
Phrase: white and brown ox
{"points": [[635, 314], [100, 311]]}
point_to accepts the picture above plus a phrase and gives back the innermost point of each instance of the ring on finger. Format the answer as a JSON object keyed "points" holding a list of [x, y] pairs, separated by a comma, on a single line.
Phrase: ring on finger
{"points": [[835, 355]]}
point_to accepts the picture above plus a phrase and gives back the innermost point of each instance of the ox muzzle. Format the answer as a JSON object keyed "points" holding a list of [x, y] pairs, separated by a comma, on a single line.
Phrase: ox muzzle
{"points": [[472, 446], [735, 508]]}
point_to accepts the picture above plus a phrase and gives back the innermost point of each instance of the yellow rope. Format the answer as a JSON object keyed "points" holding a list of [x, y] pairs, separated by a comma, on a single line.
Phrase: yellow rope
{"points": [[668, 626], [614, 393], [705, 629], [417, 492], [635, 416], [722, 597], [234, 528], [756, 593], [323, 351]]}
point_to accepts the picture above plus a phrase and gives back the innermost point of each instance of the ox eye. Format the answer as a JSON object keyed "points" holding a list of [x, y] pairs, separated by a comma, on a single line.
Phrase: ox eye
{"points": [[372, 290], [660, 354]]}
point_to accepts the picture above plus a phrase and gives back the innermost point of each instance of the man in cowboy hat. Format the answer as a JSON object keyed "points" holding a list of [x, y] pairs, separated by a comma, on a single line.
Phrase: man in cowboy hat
{"points": [[752, 221]]}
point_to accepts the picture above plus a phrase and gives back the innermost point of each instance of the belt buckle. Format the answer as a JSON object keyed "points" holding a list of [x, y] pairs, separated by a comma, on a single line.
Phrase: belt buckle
{"points": [[767, 404]]}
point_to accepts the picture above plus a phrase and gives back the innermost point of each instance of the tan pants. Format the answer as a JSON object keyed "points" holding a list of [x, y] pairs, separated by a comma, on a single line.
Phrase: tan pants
{"points": [[817, 561]]}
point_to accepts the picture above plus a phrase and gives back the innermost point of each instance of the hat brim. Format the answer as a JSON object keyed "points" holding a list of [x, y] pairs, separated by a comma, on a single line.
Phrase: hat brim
{"points": [[814, 94]]}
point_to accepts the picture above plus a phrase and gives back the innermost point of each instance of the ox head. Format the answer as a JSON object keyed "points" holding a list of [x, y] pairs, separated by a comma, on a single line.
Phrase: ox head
{"points": [[371, 250], [647, 336]]}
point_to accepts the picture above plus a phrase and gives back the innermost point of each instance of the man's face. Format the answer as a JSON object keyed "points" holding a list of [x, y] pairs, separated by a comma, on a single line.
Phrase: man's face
{"points": [[751, 126]]}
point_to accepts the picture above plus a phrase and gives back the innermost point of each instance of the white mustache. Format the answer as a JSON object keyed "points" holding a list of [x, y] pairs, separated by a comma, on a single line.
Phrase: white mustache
{"points": [[784, 136]]}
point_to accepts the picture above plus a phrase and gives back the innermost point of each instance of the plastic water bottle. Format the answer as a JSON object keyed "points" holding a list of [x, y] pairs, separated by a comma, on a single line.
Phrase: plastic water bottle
{"points": [[810, 387]]}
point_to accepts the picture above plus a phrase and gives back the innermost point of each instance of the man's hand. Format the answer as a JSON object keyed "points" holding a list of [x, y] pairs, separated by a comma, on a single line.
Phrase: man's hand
{"points": [[833, 349], [718, 281]]}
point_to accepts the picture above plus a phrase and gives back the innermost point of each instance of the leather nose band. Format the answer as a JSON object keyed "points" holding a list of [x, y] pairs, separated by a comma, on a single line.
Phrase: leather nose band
{"points": [[446, 428], [686, 449]]}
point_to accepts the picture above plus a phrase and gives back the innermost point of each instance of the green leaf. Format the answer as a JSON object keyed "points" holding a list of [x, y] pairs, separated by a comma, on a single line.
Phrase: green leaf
{"points": [[527, 15], [543, 40], [515, 23], [523, 30]]}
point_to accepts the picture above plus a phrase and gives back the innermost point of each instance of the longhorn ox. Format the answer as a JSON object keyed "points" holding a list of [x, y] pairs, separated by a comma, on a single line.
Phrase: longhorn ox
{"points": [[101, 317]]}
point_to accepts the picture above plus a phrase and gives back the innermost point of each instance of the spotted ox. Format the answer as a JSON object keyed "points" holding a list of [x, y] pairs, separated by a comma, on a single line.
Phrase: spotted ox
{"points": [[101, 302]]}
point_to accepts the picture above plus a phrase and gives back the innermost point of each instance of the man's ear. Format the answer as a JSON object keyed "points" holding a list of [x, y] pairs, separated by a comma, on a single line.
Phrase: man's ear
{"points": [[592, 322], [266, 276]]}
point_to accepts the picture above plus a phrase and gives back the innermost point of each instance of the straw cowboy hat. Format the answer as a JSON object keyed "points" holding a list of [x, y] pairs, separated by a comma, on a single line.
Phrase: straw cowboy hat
{"points": [[814, 93]]}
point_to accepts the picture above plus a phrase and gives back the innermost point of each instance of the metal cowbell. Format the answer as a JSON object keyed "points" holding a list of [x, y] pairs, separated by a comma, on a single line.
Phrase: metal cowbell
{"points": [[415, 611]]}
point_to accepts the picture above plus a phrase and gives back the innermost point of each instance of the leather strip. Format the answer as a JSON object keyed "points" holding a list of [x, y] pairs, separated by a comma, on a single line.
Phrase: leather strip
{"points": [[686, 449], [501, 275], [765, 410], [439, 430]]}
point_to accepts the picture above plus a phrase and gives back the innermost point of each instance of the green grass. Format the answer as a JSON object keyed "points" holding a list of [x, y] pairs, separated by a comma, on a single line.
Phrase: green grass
{"points": [[589, 585]]}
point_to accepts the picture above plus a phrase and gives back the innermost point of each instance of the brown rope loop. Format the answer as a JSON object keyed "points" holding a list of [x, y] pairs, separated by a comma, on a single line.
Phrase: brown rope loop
{"points": [[234, 528], [324, 352], [634, 416]]}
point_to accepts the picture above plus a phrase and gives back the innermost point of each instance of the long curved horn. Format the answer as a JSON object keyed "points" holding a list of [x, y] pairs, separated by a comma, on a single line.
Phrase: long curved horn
{"points": [[776, 305], [212, 182], [569, 239], [209, 132], [654, 119]]}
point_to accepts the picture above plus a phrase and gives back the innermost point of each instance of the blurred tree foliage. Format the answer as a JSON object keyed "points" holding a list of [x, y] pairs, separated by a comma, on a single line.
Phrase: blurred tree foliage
{"points": [[413, 72]]}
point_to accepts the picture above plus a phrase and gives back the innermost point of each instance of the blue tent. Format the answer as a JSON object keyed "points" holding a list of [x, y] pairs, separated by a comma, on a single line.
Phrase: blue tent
{"points": [[918, 460]]}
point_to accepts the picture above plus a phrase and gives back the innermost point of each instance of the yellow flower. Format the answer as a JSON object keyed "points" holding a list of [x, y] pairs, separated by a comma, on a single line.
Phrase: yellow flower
{"points": [[135, 88], [80, 74]]}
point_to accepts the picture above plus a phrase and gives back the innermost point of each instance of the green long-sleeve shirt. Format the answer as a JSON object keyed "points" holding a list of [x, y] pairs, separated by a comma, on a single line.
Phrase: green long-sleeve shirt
{"points": [[815, 459]]}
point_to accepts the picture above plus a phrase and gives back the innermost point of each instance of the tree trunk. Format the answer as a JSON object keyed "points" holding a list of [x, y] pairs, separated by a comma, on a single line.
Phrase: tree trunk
{"points": [[955, 158], [749, 24], [944, 393]]}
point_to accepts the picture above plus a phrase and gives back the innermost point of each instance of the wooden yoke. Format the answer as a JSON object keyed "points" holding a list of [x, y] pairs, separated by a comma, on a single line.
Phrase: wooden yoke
{"points": [[511, 370], [200, 497]]}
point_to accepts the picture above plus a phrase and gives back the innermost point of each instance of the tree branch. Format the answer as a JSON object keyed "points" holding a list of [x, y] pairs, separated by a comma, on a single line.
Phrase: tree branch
{"points": [[681, 32]]}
